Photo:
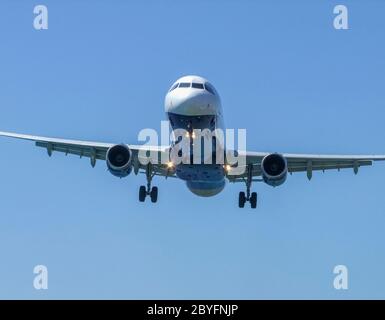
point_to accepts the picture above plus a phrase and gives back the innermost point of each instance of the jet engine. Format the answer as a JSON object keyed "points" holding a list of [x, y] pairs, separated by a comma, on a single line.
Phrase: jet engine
{"points": [[119, 160], [274, 169]]}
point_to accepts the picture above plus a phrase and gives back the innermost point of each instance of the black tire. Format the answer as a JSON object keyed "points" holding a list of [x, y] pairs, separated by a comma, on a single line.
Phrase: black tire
{"points": [[142, 193], [154, 194], [241, 199], [253, 200]]}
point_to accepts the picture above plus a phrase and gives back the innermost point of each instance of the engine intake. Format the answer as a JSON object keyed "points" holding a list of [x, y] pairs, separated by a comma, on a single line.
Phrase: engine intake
{"points": [[119, 160], [274, 169]]}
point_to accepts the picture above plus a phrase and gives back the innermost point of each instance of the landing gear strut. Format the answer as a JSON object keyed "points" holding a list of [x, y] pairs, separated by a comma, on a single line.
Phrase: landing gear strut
{"points": [[248, 196], [152, 192]]}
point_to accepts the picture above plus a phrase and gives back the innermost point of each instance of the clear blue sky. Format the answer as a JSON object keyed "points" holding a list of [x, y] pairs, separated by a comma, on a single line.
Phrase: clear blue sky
{"points": [[100, 72]]}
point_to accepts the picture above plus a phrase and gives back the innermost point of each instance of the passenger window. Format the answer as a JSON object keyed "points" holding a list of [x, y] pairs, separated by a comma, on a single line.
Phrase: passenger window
{"points": [[197, 85], [210, 88], [174, 86], [184, 85]]}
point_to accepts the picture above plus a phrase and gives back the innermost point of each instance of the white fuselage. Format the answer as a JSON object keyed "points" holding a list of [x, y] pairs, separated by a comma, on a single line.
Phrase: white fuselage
{"points": [[190, 101], [193, 103]]}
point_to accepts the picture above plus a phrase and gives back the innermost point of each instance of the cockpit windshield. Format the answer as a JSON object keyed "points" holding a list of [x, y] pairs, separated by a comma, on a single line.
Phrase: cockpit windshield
{"points": [[194, 85], [174, 87], [197, 85], [210, 88]]}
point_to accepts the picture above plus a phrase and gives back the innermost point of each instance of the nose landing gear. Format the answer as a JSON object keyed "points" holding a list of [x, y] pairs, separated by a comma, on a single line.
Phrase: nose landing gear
{"points": [[248, 196], [148, 191]]}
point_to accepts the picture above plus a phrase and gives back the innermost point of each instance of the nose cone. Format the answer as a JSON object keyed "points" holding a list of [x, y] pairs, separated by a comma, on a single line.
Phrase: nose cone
{"points": [[191, 102], [192, 96]]}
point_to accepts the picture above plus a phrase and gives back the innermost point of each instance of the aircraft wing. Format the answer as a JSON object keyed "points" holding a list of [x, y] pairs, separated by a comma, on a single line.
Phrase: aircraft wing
{"points": [[92, 150], [296, 162], [308, 163]]}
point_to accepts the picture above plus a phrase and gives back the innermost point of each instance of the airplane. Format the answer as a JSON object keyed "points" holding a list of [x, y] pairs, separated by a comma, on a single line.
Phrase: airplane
{"points": [[192, 102]]}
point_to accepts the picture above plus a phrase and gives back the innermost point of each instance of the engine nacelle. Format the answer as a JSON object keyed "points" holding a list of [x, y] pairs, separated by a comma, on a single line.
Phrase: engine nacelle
{"points": [[274, 169], [119, 160]]}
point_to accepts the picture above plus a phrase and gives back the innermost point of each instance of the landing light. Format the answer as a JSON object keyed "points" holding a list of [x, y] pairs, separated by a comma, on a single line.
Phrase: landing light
{"points": [[227, 167], [170, 165], [187, 135]]}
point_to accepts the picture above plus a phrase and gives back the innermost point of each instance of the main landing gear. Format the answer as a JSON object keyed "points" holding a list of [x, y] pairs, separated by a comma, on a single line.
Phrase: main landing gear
{"points": [[152, 192], [248, 196]]}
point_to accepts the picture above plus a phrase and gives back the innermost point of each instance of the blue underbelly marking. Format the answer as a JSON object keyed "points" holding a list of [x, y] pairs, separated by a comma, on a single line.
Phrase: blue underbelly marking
{"points": [[206, 189], [200, 172]]}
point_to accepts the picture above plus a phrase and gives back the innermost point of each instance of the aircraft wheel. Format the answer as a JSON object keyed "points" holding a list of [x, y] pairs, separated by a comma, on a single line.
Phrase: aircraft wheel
{"points": [[253, 200], [154, 194], [142, 193], [241, 199]]}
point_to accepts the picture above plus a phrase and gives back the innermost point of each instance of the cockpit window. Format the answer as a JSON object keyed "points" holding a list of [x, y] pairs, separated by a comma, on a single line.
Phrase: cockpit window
{"points": [[210, 88], [184, 85], [197, 85], [174, 86]]}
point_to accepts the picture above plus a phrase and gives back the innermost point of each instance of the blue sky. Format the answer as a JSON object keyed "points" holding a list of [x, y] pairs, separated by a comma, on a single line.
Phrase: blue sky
{"points": [[100, 72]]}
